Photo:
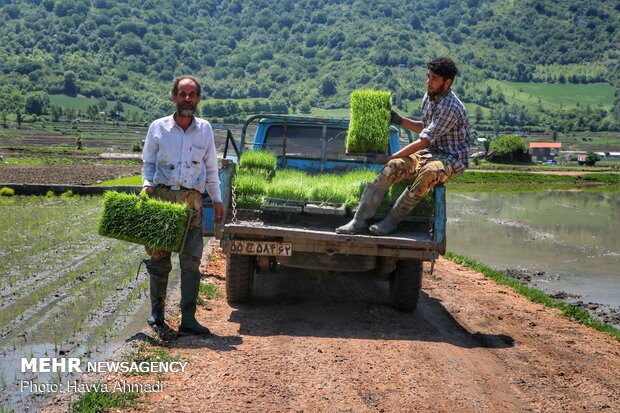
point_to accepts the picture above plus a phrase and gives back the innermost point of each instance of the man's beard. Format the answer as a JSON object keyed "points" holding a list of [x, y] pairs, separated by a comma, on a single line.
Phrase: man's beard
{"points": [[434, 93], [186, 112]]}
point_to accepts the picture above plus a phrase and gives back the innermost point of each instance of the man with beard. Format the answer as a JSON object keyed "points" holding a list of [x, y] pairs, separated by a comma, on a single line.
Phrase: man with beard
{"points": [[439, 153], [180, 162]]}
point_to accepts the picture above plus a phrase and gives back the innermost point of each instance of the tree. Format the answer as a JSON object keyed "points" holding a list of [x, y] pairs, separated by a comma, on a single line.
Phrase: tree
{"points": [[328, 85], [509, 148], [55, 112], [592, 158], [18, 118], [37, 103], [102, 104], [69, 84], [479, 115], [305, 108]]}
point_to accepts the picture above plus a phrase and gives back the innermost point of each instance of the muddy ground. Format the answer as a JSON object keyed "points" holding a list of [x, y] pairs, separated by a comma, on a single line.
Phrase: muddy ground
{"points": [[89, 174], [333, 344]]}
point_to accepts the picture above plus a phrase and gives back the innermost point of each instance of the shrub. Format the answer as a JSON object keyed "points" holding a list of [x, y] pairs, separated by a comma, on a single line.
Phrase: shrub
{"points": [[506, 145], [370, 121], [143, 220], [6, 191]]}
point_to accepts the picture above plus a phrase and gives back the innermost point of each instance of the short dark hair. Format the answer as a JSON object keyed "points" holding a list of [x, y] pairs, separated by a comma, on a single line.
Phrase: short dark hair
{"points": [[175, 85], [444, 67]]}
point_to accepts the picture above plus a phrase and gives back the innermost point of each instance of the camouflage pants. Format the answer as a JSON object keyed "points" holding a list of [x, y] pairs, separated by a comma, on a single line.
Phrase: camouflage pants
{"points": [[420, 167], [194, 200]]}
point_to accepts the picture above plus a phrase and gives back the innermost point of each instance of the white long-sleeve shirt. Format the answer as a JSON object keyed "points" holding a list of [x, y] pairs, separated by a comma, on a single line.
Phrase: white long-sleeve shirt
{"points": [[176, 158]]}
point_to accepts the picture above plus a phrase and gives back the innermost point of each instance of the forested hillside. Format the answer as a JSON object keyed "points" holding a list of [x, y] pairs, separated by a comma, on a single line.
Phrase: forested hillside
{"points": [[306, 53]]}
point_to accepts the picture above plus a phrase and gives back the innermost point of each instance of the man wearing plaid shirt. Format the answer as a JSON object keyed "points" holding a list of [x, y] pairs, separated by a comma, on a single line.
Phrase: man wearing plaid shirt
{"points": [[439, 153]]}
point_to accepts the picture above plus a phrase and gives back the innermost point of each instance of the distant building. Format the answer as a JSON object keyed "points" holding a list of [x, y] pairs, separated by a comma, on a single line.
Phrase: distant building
{"points": [[543, 151]]}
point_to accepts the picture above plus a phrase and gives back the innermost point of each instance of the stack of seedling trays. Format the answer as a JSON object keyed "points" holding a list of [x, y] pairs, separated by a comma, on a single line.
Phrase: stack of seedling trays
{"points": [[144, 220], [369, 127], [258, 186]]}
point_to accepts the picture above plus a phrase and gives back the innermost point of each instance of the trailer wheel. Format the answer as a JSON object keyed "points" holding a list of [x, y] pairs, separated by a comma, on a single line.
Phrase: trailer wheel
{"points": [[240, 271], [405, 284]]}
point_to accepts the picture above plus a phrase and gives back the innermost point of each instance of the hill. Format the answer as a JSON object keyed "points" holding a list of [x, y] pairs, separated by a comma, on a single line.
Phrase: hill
{"points": [[311, 53]]}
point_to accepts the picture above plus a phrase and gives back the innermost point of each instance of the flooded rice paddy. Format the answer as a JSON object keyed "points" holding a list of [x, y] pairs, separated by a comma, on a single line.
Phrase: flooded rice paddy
{"points": [[65, 291], [565, 241]]}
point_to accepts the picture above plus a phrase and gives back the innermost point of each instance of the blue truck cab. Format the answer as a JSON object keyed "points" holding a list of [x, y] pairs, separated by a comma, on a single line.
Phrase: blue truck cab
{"points": [[300, 235]]}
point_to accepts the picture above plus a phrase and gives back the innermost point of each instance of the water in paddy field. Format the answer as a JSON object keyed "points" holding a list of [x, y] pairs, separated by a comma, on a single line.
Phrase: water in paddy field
{"points": [[65, 291], [571, 236]]}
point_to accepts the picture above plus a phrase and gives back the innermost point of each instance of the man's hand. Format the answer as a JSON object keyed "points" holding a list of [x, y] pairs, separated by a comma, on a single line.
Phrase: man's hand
{"points": [[147, 190], [395, 118], [218, 212]]}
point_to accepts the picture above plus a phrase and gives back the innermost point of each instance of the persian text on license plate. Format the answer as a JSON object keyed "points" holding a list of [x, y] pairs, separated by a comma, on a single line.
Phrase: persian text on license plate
{"points": [[261, 248]]}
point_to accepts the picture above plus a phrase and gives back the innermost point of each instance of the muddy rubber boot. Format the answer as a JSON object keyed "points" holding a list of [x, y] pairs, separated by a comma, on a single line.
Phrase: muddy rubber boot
{"points": [[158, 287], [369, 202], [403, 206], [189, 293]]}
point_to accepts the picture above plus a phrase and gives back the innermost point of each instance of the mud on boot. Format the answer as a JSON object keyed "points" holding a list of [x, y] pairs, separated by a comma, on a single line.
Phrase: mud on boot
{"points": [[403, 206], [369, 202]]}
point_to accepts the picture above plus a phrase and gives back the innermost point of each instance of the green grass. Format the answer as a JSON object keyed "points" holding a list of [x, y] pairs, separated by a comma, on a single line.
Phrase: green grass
{"points": [[82, 103], [143, 220], [370, 121], [342, 113], [135, 180], [573, 312], [209, 290], [479, 177], [556, 95], [102, 401]]}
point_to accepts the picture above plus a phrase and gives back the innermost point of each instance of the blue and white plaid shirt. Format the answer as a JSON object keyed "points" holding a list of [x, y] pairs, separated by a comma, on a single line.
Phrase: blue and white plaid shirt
{"points": [[446, 126]]}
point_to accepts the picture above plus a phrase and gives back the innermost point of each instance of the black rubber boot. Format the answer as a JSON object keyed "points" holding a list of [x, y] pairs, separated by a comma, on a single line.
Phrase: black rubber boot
{"points": [[369, 202], [158, 285], [189, 294]]}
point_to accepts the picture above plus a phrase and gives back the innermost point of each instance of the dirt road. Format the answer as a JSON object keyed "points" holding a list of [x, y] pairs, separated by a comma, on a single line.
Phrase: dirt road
{"points": [[334, 345]]}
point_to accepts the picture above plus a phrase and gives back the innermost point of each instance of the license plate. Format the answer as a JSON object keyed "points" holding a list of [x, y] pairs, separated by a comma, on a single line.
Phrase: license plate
{"points": [[261, 248]]}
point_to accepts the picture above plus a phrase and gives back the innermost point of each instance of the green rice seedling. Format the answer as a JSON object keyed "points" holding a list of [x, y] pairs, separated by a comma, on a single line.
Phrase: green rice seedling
{"points": [[250, 201], [261, 160], [50, 194], [289, 184], [6, 191], [143, 220], [67, 194], [370, 121], [247, 183]]}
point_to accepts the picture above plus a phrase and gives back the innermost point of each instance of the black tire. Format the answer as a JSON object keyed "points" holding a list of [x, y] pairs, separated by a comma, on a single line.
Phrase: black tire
{"points": [[405, 284], [240, 271]]}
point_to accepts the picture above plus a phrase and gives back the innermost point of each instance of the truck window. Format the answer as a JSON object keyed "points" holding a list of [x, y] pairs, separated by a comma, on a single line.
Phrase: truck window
{"points": [[305, 141]]}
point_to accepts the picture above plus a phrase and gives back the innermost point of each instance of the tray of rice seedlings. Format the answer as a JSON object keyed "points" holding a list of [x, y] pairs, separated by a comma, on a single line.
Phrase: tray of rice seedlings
{"points": [[289, 184], [369, 126], [258, 161], [144, 220], [251, 188]]}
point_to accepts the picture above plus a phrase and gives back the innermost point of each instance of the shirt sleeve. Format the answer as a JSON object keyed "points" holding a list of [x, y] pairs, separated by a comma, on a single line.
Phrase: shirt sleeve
{"points": [[443, 120], [149, 157], [213, 179]]}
